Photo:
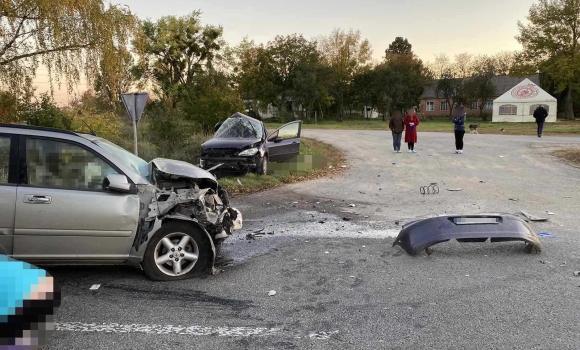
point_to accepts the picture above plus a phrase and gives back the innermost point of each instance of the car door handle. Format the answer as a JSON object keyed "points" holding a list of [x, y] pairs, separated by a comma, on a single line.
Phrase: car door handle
{"points": [[35, 199]]}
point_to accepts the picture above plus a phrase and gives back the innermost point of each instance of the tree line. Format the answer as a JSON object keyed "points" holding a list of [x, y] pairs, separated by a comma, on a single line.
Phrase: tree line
{"points": [[194, 74]]}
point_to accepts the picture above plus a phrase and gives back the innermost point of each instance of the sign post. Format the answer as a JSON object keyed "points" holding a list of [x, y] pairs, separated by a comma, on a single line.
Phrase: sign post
{"points": [[134, 104]]}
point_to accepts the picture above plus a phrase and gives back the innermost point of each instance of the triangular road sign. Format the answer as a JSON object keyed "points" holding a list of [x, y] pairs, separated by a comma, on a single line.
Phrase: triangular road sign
{"points": [[135, 104]]}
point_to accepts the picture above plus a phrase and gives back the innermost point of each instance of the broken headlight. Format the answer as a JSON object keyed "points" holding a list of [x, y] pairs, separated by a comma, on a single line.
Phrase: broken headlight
{"points": [[248, 153]]}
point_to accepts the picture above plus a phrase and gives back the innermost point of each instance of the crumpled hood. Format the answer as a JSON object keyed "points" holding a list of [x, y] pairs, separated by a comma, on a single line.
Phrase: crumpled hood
{"points": [[229, 143], [182, 169]]}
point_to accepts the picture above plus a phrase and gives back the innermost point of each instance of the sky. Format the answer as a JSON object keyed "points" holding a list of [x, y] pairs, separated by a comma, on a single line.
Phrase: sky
{"points": [[432, 27]]}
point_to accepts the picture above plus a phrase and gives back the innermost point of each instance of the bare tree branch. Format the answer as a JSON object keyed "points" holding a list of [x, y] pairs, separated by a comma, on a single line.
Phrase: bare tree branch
{"points": [[43, 52]]}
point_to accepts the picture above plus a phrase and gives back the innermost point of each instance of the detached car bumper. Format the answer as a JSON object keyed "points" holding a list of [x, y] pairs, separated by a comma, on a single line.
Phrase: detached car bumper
{"points": [[230, 164], [421, 235]]}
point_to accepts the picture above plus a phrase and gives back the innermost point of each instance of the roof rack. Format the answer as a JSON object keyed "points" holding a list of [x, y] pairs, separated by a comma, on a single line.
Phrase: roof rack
{"points": [[39, 128]]}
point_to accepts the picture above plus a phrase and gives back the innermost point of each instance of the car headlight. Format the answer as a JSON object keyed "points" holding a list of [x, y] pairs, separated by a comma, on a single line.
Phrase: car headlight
{"points": [[248, 153]]}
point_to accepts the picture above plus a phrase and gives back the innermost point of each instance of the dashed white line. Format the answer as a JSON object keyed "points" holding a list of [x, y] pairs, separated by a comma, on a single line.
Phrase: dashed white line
{"points": [[222, 331]]}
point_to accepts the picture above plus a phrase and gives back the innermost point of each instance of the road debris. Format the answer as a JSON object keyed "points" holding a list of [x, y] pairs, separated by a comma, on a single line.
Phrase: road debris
{"points": [[326, 252], [550, 213], [346, 219], [577, 273], [546, 234], [95, 287], [352, 205], [501, 156], [271, 293], [239, 182], [532, 217], [514, 200], [253, 235], [455, 189], [431, 189], [322, 222]]}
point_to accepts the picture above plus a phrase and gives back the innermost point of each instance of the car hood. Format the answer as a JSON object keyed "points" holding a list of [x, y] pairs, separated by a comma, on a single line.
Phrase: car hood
{"points": [[181, 169], [229, 143]]}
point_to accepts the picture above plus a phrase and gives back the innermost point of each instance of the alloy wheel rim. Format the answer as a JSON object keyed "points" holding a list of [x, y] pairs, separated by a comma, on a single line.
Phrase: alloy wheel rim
{"points": [[176, 254]]}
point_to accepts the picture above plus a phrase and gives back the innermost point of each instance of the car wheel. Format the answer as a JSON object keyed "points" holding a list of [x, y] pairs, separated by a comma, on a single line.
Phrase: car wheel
{"points": [[263, 165], [177, 251]]}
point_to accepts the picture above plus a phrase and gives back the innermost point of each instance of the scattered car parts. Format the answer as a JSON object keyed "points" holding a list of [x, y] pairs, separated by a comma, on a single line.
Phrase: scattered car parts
{"points": [[421, 235]]}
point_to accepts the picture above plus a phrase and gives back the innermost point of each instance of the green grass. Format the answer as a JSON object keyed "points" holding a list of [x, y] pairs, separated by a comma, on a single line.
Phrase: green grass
{"points": [[293, 172], [562, 127]]}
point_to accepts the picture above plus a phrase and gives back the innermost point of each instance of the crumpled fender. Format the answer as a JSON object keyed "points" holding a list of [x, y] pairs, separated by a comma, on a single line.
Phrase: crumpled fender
{"points": [[422, 234]]}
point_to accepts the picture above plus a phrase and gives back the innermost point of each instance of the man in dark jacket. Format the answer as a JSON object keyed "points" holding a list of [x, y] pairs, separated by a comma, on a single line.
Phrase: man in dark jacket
{"points": [[397, 127], [540, 114]]}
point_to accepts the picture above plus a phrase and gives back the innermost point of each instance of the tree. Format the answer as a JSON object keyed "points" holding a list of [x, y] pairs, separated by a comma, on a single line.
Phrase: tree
{"points": [[173, 50], [463, 65], [68, 38], [347, 54], [480, 86], [211, 99], [449, 87], [399, 47], [114, 78], [551, 46]]}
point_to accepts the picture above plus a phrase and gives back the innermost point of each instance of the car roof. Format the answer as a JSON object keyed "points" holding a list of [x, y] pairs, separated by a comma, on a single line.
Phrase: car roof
{"points": [[38, 128]]}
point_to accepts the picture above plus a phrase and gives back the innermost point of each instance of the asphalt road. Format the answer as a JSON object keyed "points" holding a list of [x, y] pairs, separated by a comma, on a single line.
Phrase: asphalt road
{"points": [[340, 284]]}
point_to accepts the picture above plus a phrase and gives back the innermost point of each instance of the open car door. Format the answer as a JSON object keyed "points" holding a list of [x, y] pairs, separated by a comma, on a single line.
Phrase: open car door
{"points": [[284, 143]]}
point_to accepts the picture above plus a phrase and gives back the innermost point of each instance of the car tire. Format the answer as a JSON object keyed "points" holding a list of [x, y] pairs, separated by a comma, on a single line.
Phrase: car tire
{"points": [[159, 259], [263, 165]]}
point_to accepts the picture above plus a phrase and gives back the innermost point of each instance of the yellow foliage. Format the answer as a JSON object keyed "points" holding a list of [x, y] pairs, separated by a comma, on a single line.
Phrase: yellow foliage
{"points": [[105, 124]]}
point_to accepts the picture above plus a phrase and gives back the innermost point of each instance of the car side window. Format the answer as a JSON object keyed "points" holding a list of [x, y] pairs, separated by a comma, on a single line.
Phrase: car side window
{"points": [[289, 131], [4, 159], [273, 136], [57, 164]]}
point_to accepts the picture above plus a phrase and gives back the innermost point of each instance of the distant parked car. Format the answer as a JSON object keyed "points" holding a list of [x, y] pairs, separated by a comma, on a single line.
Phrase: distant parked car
{"points": [[73, 198], [241, 144]]}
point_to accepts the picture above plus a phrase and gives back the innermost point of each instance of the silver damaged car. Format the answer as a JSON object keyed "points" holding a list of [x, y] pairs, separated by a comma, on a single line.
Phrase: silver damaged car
{"points": [[72, 198]]}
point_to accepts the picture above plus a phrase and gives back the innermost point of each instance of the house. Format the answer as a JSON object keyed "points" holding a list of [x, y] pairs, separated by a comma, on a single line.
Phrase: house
{"points": [[432, 105]]}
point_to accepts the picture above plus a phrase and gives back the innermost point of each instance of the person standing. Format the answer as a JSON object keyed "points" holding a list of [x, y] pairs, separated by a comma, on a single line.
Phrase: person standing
{"points": [[459, 129], [540, 114], [411, 122], [397, 127]]}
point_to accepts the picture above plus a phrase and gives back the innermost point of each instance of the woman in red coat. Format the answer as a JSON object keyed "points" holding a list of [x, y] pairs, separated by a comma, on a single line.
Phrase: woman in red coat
{"points": [[411, 123]]}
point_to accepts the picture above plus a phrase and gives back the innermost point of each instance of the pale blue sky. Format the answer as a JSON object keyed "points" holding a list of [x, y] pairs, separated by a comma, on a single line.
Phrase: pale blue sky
{"points": [[432, 27], [449, 26]]}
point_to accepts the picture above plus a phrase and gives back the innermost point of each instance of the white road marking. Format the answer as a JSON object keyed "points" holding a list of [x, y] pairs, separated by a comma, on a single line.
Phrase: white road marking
{"points": [[223, 331]]}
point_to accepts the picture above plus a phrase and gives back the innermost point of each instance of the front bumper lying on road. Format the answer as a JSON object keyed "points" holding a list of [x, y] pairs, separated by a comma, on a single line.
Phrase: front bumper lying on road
{"points": [[421, 235]]}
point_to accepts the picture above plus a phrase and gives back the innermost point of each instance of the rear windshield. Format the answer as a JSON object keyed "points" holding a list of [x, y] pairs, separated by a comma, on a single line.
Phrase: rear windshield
{"points": [[240, 128]]}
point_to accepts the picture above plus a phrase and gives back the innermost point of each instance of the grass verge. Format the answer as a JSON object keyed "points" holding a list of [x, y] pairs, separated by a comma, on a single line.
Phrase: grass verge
{"points": [[250, 183], [563, 127], [572, 156]]}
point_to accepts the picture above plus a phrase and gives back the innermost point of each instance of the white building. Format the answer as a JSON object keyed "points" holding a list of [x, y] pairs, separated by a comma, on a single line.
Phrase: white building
{"points": [[518, 104]]}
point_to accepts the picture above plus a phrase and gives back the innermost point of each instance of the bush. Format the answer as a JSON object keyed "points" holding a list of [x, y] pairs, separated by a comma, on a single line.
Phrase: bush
{"points": [[45, 113]]}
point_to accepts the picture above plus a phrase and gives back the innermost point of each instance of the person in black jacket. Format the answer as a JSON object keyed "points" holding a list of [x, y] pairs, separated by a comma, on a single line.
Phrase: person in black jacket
{"points": [[540, 114]]}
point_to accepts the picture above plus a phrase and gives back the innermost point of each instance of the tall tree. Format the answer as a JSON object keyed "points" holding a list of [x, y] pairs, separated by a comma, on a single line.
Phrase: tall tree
{"points": [[114, 77], [551, 46], [347, 54], [400, 46], [462, 65], [68, 38], [173, 50], [449, 87], [480, 86]]}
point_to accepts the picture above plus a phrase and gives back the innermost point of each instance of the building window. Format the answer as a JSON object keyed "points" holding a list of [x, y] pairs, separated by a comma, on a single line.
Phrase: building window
{"points": [[430, 106], [534, 107], [489, 105], [508, 110], [444, 106], [473, 105]]}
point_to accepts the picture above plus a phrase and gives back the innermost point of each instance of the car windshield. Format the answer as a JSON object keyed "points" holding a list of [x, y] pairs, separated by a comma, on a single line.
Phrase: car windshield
{"points": [[128, 158], [239, 128]]}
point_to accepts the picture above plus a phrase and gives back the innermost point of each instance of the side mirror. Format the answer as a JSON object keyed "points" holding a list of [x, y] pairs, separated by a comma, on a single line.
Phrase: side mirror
{"points": [[278, 139], [217, 126], [117, 183]]}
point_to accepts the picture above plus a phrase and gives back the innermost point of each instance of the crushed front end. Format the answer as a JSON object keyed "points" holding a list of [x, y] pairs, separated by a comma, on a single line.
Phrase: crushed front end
{"points": [[191, 193]]}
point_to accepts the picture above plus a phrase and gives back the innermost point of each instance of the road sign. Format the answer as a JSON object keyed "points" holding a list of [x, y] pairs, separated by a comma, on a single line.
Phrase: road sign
{"points": [[135, 104]]}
